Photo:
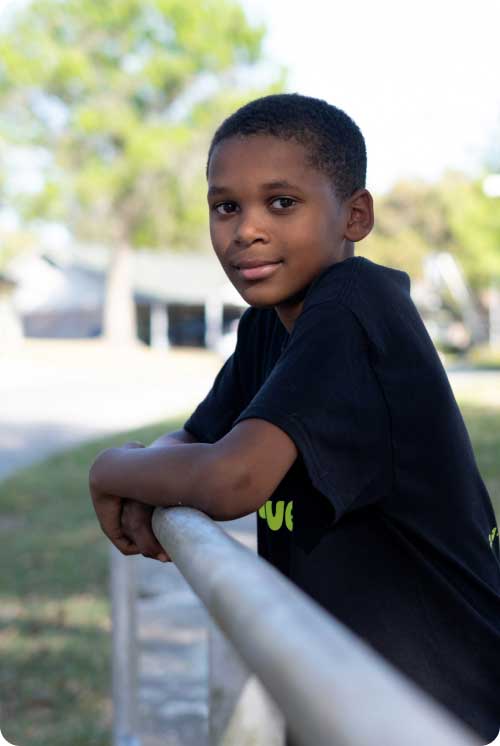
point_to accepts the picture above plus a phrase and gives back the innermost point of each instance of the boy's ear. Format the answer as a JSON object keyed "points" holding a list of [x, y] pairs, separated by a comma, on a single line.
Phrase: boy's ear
{"points": [[359, 215]]}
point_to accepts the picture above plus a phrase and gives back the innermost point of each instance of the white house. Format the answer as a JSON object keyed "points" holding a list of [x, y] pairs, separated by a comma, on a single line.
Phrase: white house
{"points": [[181, 298]]}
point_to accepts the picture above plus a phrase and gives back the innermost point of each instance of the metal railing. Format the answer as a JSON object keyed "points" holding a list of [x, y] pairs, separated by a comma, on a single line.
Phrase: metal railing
{"points": [[124, 649], [331, 688]]}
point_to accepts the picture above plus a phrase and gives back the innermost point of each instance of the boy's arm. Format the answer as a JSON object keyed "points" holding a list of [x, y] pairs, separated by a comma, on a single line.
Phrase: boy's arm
{"points": [[226, 479], [178, 436], [135, 517]]}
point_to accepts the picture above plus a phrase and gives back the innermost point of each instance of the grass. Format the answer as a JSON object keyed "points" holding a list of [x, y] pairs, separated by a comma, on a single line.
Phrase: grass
{"points": [[483, 424], [54, 611], [485, 357], [479, 357]]}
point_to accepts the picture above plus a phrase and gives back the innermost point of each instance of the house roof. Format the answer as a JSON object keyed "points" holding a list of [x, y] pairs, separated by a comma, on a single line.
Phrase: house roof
{"points": [[170, 276], [182, 278], [74, 277]]}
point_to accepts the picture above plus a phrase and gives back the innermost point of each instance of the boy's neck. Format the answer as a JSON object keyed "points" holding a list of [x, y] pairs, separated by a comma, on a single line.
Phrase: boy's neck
{"points": [[289, 312]]}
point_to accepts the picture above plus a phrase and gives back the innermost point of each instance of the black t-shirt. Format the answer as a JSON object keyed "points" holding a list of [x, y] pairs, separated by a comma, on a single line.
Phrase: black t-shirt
{"points": [[383, 518]]}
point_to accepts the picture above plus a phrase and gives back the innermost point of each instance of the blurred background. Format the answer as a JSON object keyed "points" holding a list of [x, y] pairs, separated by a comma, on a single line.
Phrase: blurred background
{"points": [[114, 313], [107, 111]]}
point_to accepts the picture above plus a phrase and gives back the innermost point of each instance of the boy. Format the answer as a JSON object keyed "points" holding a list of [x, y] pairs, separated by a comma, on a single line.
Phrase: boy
{"points": [[333, 419]]}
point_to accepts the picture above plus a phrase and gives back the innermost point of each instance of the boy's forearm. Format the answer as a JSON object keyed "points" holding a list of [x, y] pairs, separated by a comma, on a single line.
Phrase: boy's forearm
{"points": [[163, 475], [174, 438]]}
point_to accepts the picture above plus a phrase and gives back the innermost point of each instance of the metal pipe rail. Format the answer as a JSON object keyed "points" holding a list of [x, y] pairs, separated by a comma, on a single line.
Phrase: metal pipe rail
{"points": [[332, 688]]}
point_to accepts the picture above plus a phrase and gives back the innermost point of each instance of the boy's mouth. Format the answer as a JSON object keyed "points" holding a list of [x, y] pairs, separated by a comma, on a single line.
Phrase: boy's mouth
{"points": [[257, 269]]}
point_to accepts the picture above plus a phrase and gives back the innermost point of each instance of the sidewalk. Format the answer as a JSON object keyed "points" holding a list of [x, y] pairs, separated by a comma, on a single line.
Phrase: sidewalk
{"points": [[173, 666], [55, 394]]}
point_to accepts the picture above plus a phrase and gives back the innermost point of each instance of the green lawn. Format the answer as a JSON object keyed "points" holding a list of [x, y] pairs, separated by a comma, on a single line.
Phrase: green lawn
{"points": [[483, 424], [54, 613]]}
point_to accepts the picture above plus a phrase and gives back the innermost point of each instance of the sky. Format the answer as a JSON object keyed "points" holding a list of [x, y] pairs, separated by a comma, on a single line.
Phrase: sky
{"points": [[421, 79]]}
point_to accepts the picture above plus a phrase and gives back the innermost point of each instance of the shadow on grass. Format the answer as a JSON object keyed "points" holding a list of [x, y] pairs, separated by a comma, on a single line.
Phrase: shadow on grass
{"points": [[54, 683]]}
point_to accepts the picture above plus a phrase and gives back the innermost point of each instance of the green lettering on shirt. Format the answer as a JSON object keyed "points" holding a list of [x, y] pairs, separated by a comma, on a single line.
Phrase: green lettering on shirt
{"points": [[275, 520], [491, 536], [277, 514]]}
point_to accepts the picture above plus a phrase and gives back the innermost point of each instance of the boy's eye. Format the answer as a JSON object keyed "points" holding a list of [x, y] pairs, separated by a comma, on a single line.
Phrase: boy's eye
{"points": [[225, 208], [282, 203]]}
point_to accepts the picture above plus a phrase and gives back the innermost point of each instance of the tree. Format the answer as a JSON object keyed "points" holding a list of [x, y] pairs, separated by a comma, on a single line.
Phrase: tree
{"points": [[123, 96], [474, 220], [410, 221], [452, 215]]}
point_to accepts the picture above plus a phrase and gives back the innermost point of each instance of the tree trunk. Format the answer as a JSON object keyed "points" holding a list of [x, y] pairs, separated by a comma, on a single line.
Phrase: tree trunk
{"points": [[120, 325]]}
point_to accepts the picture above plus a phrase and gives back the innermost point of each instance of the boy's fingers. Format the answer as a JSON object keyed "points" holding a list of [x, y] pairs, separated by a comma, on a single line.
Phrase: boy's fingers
{"points": [[147, 543], [108, 509], [126, 546], [152, 551], [152, 548], [161, 557], [136, 524]]}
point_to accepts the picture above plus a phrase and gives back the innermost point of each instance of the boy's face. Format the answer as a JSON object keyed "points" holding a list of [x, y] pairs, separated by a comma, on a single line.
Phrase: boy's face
{"points": [[275, 222]]}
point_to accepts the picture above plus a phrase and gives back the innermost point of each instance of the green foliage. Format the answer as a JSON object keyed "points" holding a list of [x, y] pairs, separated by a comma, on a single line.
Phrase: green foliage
{"points": [[125, 94], [409, 223], [474, 220], [453, 215], [404, 249], [13, 242]]}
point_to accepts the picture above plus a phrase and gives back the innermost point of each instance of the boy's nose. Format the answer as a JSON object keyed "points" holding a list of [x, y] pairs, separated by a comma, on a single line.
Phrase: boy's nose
{"points": [[248, 230]]}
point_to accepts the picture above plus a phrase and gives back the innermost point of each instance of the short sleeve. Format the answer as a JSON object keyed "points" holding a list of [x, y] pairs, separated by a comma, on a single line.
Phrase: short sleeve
{"points": [[324, 394], [214, 416]]}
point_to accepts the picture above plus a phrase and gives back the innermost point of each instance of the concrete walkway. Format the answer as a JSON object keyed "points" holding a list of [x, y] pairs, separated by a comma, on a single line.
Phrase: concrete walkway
{"points": [[55, 394], [173, 658]]}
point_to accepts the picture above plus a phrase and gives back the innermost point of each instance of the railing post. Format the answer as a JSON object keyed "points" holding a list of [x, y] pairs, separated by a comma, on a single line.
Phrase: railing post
{"points": [[124, 649], [240, 712]]}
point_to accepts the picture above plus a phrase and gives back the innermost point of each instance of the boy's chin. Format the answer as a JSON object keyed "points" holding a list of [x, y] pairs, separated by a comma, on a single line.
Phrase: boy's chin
{"points": [[275, 301], [259, 304], [258, 298]]}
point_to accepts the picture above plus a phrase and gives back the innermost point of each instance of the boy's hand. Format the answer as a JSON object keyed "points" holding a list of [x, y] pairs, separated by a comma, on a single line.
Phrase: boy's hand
{"points": [[108, 510], [136, 526], [127, 523]]}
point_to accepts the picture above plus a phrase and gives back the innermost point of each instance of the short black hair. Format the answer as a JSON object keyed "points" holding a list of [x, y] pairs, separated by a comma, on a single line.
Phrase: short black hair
{"points": [[333, 140]]}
